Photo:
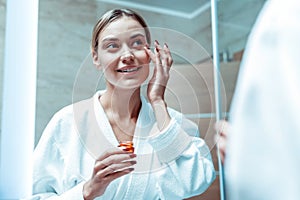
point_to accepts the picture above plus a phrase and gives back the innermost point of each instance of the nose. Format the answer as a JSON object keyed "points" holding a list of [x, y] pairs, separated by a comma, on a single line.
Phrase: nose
{"points": [[127, 57]]}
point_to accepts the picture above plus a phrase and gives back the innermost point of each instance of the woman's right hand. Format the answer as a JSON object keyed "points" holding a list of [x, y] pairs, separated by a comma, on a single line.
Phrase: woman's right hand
{"points": [[111, 165]]}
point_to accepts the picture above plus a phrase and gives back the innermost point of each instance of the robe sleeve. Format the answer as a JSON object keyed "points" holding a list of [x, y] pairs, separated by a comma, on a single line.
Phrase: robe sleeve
{"points": [[49, 172], [189, 169]]}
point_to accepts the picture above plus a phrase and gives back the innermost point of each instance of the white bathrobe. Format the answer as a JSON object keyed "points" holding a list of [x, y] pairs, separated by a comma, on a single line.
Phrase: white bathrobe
{"points": [[263, 155], [172, 164]]}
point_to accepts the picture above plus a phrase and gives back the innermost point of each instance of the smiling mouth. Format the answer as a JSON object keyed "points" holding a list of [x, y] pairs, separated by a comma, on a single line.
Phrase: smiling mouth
{"points": [[133, 69]]}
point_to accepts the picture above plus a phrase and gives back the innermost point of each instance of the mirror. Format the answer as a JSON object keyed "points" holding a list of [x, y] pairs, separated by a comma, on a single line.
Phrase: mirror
{"points": [[64, 50]]}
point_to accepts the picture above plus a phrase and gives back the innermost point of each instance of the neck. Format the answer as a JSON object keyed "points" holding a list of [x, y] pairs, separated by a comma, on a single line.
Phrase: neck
{"points": [[124, 103]]}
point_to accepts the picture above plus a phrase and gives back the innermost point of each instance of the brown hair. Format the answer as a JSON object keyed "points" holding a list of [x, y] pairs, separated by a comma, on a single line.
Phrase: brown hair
{"points": [[111, 16]]}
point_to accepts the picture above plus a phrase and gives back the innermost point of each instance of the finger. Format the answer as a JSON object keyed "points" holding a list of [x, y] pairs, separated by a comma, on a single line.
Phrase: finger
{"points": [[222, 148], [221, 127], [111, 151], [118, 174], [115, 168], [217, 125], [168, 56], [112, 160], [222, 154], [150, 53], [164, 60], [101, 164], [157, 52], [157, 46], [224, 129], [222, 144], [160, 62]]}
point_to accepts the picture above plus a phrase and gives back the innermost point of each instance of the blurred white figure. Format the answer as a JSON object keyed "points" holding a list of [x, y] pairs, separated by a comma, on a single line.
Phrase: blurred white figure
{"points": [[263, 148]]}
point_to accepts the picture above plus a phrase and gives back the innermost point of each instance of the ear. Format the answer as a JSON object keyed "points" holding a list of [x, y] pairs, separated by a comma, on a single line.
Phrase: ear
{"points": [[96, 60]]}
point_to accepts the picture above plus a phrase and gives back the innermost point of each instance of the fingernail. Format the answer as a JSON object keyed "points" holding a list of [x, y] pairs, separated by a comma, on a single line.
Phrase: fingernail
{"points": [[156, 42], [166, 45], [133, 162], [147, 46], [130, 169], [132, 155], [157, 50]]}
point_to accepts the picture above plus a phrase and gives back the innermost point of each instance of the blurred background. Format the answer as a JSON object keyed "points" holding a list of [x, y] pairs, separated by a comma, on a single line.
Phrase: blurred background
{"points": [[64, 35]]}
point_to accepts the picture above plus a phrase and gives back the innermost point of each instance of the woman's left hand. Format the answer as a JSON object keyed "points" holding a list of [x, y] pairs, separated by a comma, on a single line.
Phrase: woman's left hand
{"points": [[162, 59], [223, 128]]}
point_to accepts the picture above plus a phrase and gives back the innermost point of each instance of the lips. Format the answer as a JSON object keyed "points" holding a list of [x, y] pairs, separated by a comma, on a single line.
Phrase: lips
{"points": [[128, 69]]}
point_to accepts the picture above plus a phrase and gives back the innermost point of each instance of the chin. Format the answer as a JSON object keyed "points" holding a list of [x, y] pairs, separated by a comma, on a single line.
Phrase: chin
{"points": [[126, 84], [130, 84]]}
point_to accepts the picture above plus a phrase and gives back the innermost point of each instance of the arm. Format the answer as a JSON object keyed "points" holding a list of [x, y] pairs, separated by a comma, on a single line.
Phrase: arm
{"points": [[49, 175], [58, 164], [111, 165], [188, 169], [156, 88]]}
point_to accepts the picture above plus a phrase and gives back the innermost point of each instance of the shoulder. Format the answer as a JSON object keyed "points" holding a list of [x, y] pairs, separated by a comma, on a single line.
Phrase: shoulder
{"points": [[68, 112], [77, 108], [64, 120]]}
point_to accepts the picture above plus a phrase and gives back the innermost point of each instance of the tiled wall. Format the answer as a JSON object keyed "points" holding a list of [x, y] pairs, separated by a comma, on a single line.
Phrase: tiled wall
{"points": [[229, 73]]}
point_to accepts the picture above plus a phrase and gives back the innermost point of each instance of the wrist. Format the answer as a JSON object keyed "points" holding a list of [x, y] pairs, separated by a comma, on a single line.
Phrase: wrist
{"points": [[87, 192], [161, 113], [159, 106], [158, 102]]}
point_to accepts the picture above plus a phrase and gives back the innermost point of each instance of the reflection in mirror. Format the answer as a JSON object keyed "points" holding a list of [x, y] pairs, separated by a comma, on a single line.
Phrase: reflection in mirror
{"points": [[165, 142], [65, 30]]}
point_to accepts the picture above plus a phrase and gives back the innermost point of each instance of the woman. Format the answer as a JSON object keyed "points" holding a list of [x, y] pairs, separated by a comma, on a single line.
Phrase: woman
{"points": [[78, 155]]}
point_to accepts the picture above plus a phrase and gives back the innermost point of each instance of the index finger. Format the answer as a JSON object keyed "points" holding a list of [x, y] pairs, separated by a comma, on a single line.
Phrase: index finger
{"points": [[150, 53], [222, 127], [112, 151]]}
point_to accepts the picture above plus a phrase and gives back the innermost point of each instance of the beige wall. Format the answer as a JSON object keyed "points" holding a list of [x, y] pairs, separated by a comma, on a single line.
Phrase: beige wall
{"points": [[64, 34]]}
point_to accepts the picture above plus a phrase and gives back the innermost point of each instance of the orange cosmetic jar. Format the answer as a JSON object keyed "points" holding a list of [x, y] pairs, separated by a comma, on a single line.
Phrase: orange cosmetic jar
{"points": [[128, 146]]}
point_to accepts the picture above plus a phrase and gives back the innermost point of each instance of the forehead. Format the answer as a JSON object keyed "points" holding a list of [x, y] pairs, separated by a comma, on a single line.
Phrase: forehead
{"points": [[122, 26]]}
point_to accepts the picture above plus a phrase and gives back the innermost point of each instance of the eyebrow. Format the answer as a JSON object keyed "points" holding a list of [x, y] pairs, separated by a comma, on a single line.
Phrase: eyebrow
{"points": [[112, 38], [137, 35], [109, 38]]}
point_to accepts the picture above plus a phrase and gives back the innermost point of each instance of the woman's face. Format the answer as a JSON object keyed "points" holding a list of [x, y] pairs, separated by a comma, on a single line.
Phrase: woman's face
{"points": [[121, 53]]}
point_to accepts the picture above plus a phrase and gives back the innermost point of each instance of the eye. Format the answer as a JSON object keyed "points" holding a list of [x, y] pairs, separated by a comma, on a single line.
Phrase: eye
{"points": [[112, 45], [137, 43]]}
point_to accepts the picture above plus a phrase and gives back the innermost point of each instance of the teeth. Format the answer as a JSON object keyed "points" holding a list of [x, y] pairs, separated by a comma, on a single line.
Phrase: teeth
{"points": [[129, 70]]}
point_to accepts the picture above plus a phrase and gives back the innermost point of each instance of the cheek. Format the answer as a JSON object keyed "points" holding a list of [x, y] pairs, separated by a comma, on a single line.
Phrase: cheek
{"points": [[144, 60], [142, 57], [108, 60]]}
